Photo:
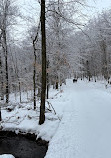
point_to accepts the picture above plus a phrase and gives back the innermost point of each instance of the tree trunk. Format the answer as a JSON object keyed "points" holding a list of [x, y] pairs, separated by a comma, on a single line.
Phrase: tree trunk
{"points": [[34, 75], [34, 68], [88, 71], [1, 79], [105, 64], [0, 113], [6, 64], [47, 79], [27, 94], [43, 89], [1, 83], [47, 90], [7, 84], [57, 85], [20, 92]]}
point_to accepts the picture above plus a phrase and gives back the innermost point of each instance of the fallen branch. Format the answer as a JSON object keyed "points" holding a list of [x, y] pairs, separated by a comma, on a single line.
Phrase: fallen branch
{"points": [[50, 105]]}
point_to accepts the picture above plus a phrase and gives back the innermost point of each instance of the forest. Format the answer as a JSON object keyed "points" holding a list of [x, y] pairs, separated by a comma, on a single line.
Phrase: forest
{"points": [[49, 51]]}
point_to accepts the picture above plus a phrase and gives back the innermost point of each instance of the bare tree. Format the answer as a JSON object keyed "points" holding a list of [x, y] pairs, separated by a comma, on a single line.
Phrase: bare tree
{"points": [[8, 12], [35, 40], [43, 89]]}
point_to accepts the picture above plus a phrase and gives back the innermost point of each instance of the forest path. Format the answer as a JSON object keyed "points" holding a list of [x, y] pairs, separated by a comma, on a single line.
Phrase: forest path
{"points": [[85, 129]]}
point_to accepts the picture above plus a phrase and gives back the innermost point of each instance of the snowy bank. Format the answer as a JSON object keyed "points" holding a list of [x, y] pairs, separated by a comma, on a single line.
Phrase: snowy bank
{"points": [[6, 156], [22, 118]]}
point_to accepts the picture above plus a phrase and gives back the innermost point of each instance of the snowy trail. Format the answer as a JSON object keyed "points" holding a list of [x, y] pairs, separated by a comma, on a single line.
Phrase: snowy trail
{"points": [[85, 129]]}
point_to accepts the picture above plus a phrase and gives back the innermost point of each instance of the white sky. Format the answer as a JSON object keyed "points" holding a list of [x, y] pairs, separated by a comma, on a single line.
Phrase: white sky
{"points": [[99, 5], [32, 9]]}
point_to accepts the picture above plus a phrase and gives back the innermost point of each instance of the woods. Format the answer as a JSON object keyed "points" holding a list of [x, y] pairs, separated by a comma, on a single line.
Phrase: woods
{"points": [[58, 46], [23, 65], [55, 78]]}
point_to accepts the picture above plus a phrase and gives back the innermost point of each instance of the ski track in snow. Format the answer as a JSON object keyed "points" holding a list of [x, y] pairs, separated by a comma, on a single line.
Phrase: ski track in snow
{"points": [[85, 129]]}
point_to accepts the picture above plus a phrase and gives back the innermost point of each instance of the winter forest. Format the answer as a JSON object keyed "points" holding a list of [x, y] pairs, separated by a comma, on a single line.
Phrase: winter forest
{"points": [[55, 78]]}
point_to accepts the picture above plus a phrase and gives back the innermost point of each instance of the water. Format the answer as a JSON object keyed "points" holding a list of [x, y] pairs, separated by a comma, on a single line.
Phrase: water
{"points": [[21, 146]]}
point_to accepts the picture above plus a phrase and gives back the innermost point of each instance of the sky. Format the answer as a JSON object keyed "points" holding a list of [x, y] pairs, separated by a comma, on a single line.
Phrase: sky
{"points": [[99, 5], [31, 8]]}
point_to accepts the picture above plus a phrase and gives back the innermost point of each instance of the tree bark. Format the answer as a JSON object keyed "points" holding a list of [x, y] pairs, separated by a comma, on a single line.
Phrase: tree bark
{"points": [[20, 91], [7, 84], [1, 87], [6, 64], [34, 76], [0, 113], [34, 67], [1, 80], [47, 79], [105, 64], [47, 87], [43, 89]]}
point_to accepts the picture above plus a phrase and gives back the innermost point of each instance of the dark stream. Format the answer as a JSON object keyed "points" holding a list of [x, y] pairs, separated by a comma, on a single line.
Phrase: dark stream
{"points": [[22, 146]]}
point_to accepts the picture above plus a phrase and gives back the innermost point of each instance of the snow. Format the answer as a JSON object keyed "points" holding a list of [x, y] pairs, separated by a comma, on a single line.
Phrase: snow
{"points": [[6, 156], [24, 119], [85, 129], [80, 129]]}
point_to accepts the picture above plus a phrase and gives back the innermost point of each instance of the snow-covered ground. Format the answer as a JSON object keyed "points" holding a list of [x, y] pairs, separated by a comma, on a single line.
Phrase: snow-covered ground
{"points": [[24, 119], [85, 129], [80, 129], [6, 156]]}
